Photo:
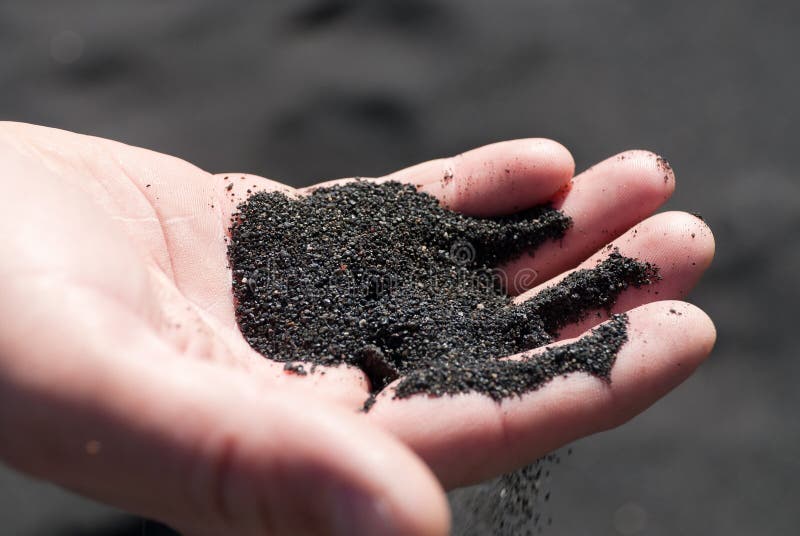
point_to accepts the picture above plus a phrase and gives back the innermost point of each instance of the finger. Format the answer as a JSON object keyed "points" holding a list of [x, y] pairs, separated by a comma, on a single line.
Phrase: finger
{"points": [[667, 341], [679, 244], [117, 416], [603, 202], [492, 180]]}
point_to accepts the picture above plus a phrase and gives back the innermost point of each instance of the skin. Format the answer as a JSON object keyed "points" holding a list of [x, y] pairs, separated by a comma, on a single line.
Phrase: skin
{"points": [[123, 375]]}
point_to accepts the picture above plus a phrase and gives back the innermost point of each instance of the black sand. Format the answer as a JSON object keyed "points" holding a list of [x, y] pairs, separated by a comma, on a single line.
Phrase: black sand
{"points": [[382, 278], [511, 504]]}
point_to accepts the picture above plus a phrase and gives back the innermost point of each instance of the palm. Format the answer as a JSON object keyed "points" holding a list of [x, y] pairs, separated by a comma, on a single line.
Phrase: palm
{"points": [[129, 246]]}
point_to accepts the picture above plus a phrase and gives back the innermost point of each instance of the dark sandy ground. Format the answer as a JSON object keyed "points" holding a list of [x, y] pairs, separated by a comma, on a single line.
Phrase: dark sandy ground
{"points": [[305, 90]]}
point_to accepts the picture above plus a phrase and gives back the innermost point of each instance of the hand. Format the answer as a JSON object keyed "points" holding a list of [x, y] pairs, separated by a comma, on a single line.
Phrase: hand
{"points": [[123, 374]]}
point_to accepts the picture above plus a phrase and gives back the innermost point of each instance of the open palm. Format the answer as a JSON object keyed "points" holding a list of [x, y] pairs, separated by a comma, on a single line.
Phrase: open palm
{"points": [[123, 374]]}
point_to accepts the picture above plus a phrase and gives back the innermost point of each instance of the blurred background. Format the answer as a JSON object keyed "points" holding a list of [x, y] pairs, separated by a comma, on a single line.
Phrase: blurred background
{"points": [[306, 90]]}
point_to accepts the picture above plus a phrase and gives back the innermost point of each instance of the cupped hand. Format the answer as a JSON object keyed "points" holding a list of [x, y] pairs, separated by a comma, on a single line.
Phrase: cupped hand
{"points": [[123, 374]]}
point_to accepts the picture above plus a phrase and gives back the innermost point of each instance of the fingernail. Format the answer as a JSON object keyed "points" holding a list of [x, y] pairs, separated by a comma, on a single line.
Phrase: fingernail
{"points": [[356, 513]]}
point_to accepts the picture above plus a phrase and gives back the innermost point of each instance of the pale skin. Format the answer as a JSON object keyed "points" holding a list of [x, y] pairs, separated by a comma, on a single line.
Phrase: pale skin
{"points": [[123, 375]]}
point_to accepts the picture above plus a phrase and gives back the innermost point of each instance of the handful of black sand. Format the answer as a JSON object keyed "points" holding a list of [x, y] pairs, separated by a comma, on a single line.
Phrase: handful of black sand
{"points": [[381, 277]]}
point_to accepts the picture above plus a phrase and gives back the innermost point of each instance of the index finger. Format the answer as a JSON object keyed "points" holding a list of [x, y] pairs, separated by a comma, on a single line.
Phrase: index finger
{"points": [[493, 180]]}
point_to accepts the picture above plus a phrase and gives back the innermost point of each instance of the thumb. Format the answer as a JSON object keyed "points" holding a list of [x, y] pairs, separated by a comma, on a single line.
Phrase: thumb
{"points": [[204, 450], [278, 464]]}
